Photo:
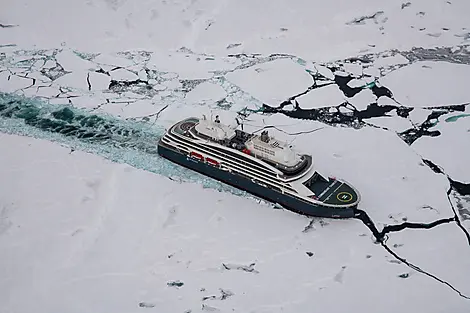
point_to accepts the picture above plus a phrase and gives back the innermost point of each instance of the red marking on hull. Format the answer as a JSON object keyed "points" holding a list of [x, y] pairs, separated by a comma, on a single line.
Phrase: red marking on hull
{"points": [[196, 155], [212, 162]]}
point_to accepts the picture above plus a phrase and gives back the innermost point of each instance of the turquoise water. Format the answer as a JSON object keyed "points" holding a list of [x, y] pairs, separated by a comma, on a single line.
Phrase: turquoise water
{"points": [[133, 143], [456, 117]]}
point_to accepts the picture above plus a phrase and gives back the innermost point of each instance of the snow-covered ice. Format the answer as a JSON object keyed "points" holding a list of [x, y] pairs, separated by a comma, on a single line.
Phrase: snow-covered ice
{"points": [[409, 243], [349, 154], [99, 81], [450, 150], [90, 224], [70, 61], [190, 66], [361, 100], [13, 83], [205, 93], [272, 82], [116, 236], [391, 122], [326, 96], [426, 84], [123, 75], [76, 80]]}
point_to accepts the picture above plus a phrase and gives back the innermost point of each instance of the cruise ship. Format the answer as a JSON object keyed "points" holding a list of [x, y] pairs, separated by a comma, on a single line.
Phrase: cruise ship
{"points": [[259, 164]]}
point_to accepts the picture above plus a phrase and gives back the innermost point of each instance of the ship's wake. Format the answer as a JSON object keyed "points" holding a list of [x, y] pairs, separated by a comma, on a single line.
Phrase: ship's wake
{"points": [[132, 143]]}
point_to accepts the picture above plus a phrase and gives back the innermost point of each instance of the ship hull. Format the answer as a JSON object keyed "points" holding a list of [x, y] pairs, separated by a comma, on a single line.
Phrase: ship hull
{"points": [[285, 200]]}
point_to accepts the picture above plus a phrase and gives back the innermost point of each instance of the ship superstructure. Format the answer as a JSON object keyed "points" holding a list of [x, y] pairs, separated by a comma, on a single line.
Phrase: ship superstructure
{"points": [[260, 164]]}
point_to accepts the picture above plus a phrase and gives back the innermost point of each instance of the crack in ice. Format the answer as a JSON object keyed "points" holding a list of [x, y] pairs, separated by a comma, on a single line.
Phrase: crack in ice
{"points": [[418, 269], [381, 238], [456, 217]]}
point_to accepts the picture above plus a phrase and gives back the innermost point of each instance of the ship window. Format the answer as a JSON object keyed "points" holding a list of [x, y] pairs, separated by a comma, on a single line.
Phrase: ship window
{"points": [[255, 176], [246, 160], [265, 150], [240, 160], [232, 157], [298, 168]]}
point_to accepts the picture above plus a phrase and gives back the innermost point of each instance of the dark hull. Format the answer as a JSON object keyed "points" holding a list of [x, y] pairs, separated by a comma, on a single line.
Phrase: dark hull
{"points": [[288, 202]]}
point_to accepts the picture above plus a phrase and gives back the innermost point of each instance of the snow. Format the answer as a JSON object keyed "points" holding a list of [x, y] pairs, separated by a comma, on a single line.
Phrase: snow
{"points": [[418, 116], [49, 64], [362, 99], [451, 150], [40, 78], [392, 122], [353, 68], [83, 255], [13, 83], [389, 60], [141, 108], [205, 93], [409, 242], [462, 207], [76, 80], [123, 75], [348, 154], [70, 61], [272, 82], [46, 92], [324, 71], [427, 82], [321, 97], [90, 224], [87, 102], [112, 61], [99, 81], [208, 25], [189, 66]]}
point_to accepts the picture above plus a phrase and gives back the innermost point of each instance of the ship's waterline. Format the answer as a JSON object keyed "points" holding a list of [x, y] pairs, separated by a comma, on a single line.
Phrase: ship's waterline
{"points": [[260, 164]]}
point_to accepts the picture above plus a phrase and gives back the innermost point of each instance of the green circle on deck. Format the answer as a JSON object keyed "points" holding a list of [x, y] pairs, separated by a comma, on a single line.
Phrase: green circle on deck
{"points": [[344, 196]]}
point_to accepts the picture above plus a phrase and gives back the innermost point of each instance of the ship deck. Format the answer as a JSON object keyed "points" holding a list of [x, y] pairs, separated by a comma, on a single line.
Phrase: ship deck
{"points": [[186, 128], [183, 127], [335, 193]]}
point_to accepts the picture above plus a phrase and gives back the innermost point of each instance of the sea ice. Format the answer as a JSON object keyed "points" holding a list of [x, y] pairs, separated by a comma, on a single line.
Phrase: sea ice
{"points": [[185, 233], [422, 84], [326, 96], [272, 82], [450, 150], [205, 93], [73, 224]]}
